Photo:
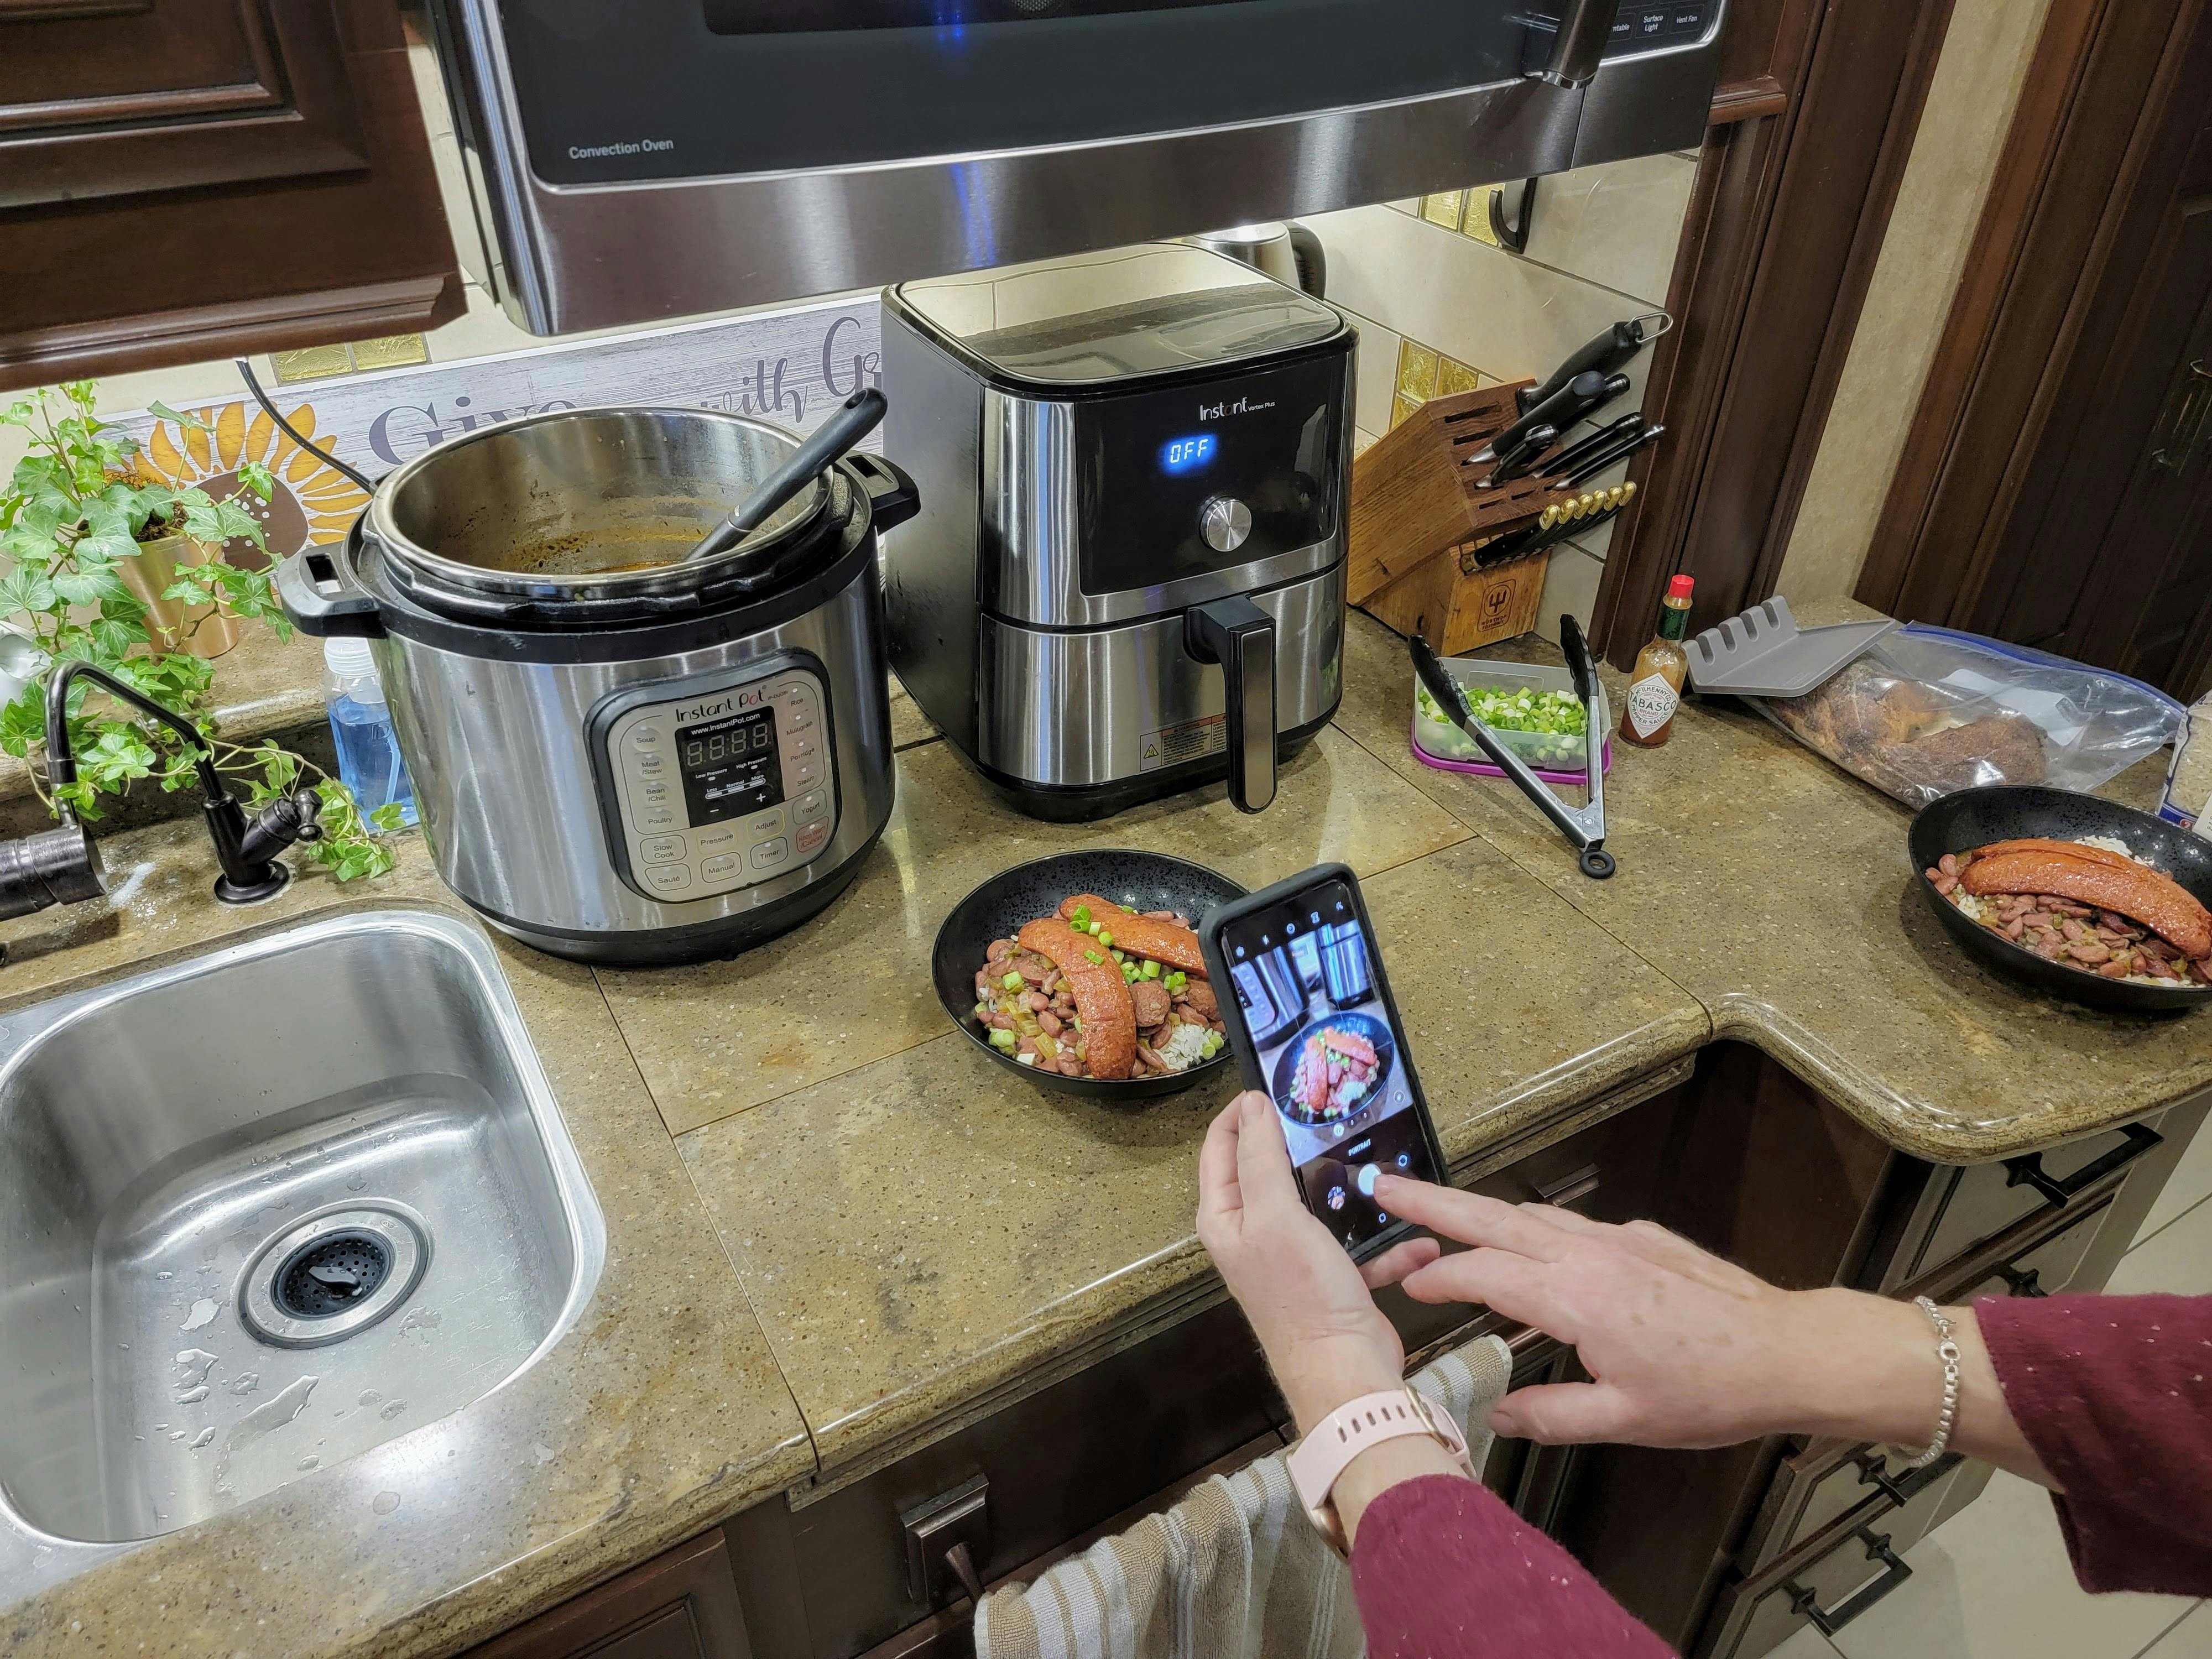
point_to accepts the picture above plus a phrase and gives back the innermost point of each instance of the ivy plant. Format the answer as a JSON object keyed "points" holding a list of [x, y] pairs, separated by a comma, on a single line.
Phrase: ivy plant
{"points": [[78, 504]]}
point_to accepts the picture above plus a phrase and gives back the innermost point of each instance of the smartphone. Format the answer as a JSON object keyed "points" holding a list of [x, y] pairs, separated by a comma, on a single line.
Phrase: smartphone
{"points": [[1316, 1030]]}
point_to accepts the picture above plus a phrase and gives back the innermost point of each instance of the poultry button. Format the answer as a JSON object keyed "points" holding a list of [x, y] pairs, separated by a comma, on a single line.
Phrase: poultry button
{"points": [[656, 817]]}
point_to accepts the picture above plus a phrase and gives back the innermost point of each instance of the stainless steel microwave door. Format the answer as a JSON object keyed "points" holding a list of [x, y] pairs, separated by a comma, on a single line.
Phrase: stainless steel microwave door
{"points": [[637, 160]]}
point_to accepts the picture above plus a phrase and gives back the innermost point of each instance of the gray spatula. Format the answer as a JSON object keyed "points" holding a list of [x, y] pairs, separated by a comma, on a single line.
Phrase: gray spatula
{"points": [[1765, 653]]}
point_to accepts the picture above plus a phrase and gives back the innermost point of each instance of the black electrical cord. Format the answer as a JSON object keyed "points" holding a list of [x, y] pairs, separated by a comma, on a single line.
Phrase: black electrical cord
{"points": [[253, 385]]}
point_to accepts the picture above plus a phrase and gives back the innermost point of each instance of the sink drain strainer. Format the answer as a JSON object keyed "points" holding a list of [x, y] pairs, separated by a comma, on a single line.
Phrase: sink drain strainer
{"points": [[335, 1274]]}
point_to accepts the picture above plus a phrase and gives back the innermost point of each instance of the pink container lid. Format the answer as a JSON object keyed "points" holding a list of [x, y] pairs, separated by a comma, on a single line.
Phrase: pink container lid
{"points": [[1485, 769]]}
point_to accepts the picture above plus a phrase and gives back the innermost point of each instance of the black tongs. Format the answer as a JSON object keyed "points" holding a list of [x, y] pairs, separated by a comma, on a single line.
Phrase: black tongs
{"points": [[1583, 827]]}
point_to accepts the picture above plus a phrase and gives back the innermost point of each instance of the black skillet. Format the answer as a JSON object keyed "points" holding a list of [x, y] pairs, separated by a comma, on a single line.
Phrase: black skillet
{"points": [[1975, 818], [997, 910]]}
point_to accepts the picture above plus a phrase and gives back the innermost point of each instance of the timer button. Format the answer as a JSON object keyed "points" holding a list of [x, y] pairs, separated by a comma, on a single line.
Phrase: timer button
{"points": [[1226, 524]]}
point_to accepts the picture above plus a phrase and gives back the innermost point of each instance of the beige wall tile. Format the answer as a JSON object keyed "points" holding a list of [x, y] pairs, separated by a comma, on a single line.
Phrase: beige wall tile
{"points": [[1969, 111], [1375, 376], [1569, 585], [1362, 441], [1617, 225], [2175, 1260]]}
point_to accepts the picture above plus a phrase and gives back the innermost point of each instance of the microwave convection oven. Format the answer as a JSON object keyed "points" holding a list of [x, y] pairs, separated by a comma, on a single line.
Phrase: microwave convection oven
{"points": [[638, 159]]}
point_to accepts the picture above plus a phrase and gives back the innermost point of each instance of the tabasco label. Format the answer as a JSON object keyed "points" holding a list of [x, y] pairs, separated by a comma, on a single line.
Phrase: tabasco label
{"points": [[1651, 703]]}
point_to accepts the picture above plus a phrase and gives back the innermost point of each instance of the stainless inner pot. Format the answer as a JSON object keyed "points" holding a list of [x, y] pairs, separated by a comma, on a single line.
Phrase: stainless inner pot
{"points": [[589, 503]]}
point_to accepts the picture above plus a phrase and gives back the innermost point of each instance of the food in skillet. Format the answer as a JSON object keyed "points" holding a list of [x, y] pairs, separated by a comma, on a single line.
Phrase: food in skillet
{"points": [[1335, 1075], [2087, 904], [1098, 990]]}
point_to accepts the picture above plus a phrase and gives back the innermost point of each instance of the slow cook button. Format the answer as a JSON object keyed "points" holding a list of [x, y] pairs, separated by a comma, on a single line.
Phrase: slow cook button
{"points": [[721, 867], [814, 804], [715, 840], [669, 879], [810, 839], [662, 849], [769, 854]]}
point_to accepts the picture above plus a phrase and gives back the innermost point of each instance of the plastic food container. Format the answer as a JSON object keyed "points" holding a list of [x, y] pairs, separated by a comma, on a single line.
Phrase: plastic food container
{"points": [[1553, 757]]}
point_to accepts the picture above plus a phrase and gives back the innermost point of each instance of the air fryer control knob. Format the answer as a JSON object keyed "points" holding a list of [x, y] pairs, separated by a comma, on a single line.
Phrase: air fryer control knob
{"points": [[1226, 524]]}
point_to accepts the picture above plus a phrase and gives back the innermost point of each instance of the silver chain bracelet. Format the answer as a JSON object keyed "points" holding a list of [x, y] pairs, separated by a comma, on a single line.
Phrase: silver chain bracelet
{"points": [[1947, 1350]]}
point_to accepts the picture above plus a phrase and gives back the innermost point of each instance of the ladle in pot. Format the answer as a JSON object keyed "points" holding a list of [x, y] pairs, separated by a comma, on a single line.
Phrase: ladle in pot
{"points": [[858, 416]]}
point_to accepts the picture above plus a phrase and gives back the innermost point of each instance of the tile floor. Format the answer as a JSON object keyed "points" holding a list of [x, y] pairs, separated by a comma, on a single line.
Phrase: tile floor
{"points": [[1992, 1582]]}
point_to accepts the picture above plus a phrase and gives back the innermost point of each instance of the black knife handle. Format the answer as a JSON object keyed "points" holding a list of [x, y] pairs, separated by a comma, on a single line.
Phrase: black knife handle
{"points": [[1523, 457], [1561, 409], [1611, 351], [1605, 436]]}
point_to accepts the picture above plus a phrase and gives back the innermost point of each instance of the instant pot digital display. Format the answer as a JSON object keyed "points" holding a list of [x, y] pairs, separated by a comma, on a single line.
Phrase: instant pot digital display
{"points": [[729, 766]]}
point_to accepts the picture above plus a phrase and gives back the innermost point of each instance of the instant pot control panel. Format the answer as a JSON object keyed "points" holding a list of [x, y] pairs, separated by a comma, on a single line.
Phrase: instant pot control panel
{"points": [[718, 783]]}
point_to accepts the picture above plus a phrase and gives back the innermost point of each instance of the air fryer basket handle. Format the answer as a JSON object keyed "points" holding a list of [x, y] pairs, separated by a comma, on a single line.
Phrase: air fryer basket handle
{"points": [[1240, 637]]}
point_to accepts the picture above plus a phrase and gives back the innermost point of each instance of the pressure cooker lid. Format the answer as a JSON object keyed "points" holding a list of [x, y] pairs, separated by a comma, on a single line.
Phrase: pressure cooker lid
{"points": [[1123, 314], [592, 507]]}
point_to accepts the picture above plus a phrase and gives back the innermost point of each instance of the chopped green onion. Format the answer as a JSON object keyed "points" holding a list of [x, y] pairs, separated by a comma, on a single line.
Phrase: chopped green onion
{"points": [[1011, 982], [1106, 939], [1151, 970], [1095, 928], [1004, 1039], [1025, 1060], [1128, 910], [1094, 955], [1081, 918], [1212, 1046], [1176, 980]]}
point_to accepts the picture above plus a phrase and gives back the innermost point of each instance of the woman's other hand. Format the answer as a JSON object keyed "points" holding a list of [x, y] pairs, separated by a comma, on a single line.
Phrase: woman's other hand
{"points": [[1307, 1301], [1687, 1349]]}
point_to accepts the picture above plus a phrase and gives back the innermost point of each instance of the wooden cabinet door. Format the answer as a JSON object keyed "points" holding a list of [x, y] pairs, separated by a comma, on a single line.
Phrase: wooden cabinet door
{"points": [[683, 1605], [184, 180]]}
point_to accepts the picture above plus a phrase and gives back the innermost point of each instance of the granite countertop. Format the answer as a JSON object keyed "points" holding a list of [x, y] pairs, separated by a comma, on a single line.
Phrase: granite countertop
{"points": [[907, 1239]]}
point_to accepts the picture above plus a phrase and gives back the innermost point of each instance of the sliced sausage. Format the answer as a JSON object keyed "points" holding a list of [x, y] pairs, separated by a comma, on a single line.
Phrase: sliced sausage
{"points": [[1163, 941], [1152, 1001], [1102, 996], [1199, 995]]}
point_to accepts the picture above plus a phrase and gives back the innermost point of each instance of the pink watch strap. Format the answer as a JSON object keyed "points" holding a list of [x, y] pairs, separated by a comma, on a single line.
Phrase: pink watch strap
{"points": [[1316, 1461]]}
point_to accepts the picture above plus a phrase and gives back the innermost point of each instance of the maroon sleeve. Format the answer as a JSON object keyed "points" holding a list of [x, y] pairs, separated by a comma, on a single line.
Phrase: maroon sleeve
{"points": [[1444, 1570], [2112, 1392]]}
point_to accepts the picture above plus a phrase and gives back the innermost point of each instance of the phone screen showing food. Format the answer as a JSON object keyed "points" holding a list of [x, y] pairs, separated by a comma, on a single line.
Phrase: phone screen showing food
{"points": [[1330, 1052]]}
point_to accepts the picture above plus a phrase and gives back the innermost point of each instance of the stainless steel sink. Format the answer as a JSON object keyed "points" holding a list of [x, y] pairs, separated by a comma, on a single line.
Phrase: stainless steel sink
{"points": [[260, 1212]]}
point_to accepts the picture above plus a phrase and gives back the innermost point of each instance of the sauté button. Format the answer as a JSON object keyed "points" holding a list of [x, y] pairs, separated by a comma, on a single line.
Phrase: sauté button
{"points": [[814, 804], [716, 869], [661, 849], [669, 879], [769, 854]]}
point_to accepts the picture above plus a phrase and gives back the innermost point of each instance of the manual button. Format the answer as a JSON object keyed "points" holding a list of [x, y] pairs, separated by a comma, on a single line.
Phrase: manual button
{"points": [[721, 867], [669, 879], [662, 849]]}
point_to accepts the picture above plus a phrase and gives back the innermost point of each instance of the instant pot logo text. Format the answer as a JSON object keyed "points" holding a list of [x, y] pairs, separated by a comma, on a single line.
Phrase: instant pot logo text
{"points": [[623, 147], [1224, 411]]}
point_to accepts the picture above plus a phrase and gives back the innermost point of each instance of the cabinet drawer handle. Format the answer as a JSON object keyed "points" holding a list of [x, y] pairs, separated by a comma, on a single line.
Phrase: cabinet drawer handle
{"points": [[1829, 1620], [2023, 1284], [1570, 1189], [2029, 1172]]}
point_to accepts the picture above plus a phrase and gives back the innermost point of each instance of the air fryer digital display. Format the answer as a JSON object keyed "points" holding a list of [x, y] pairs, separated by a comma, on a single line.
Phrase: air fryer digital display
{"points": [[1152, 461]]}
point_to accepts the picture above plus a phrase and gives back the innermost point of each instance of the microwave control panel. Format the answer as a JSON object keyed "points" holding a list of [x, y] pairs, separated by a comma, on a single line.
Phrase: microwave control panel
{"points": [[717, 783]]}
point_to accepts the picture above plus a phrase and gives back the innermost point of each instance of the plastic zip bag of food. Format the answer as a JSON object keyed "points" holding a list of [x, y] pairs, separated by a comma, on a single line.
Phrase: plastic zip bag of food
{"points": [[1930, 711]]}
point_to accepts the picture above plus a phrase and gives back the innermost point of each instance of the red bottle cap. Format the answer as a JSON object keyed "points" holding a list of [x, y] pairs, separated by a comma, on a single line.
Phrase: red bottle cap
{"points": [[1681, 587]]}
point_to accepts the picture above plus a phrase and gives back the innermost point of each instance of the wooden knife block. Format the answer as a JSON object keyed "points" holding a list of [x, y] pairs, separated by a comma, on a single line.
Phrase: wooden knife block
{"points": [[1417, 494], [1457, 609]]}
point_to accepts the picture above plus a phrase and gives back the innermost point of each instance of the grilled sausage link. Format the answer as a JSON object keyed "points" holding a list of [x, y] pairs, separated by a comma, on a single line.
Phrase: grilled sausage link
{"points": [[1102, 996], [1163, 941], [2142, 895]]}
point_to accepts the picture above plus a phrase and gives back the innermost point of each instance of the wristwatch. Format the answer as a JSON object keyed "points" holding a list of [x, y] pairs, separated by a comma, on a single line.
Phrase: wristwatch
{"points": [[1316, 1462]]}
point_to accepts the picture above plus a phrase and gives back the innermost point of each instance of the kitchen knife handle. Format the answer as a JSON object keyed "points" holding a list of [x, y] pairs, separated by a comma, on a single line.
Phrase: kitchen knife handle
{"points": [[1240, 637], [1613, 351], [1575, 453], [1578, 47], [1522, 459], [1561, 409], [1613, 455]]}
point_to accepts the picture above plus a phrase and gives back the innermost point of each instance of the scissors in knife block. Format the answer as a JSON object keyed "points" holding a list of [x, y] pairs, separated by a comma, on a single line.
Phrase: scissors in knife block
{"points": [[1583, 827]]}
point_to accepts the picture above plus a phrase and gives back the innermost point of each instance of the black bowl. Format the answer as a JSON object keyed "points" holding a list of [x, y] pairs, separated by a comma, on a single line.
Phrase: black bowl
{"points": [[1286, 1066], [1975, 818], [997, 910]]}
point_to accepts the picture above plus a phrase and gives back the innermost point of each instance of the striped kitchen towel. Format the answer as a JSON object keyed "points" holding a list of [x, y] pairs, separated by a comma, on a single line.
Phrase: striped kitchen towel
{"points": [[1233, 1571]]}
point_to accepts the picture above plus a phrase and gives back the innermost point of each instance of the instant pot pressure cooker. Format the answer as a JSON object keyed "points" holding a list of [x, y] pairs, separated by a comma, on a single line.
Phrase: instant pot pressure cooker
{"points": [[620, 756]]}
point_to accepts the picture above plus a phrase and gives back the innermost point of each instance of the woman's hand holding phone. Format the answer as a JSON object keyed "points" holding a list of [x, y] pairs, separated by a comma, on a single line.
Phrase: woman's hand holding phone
{"points": [[1308, 1302]]}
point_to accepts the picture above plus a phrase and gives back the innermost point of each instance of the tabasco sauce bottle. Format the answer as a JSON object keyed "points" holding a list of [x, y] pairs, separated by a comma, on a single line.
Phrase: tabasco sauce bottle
{"points": [[1654, 690]]}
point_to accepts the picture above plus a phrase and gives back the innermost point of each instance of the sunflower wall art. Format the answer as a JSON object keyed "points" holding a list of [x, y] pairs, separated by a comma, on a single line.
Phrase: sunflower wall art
{"points": [[313, 504]]}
